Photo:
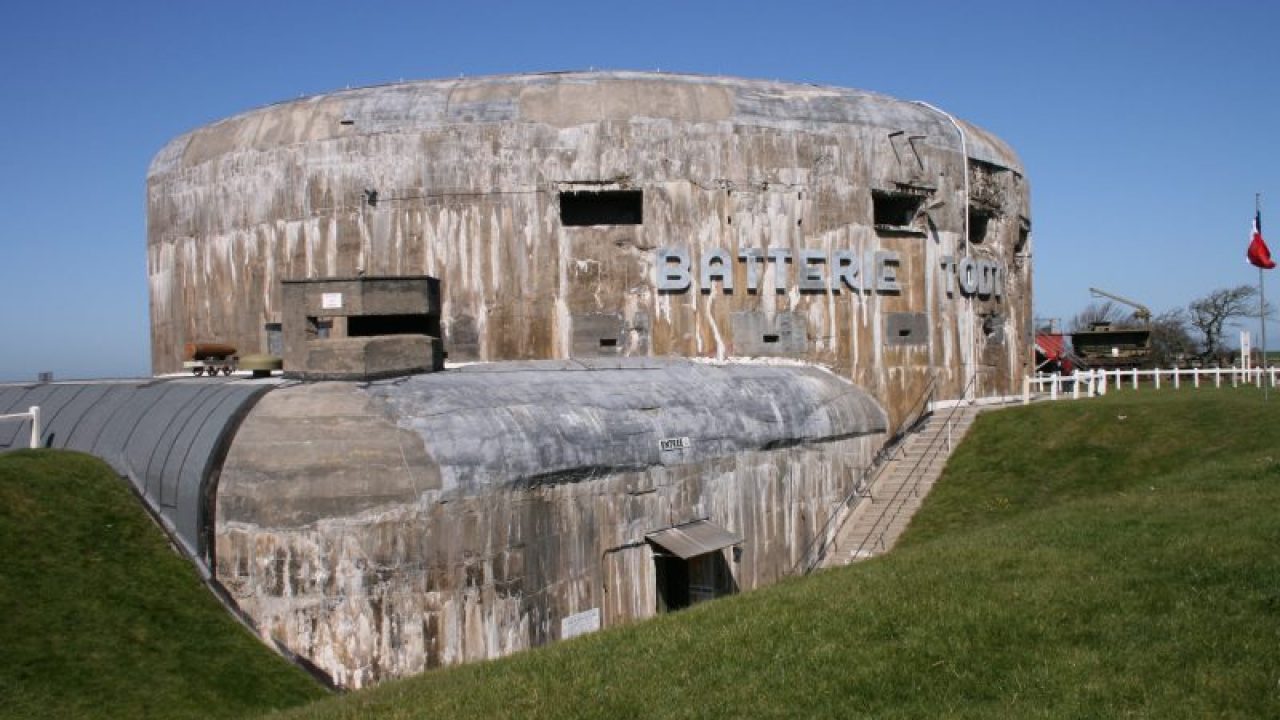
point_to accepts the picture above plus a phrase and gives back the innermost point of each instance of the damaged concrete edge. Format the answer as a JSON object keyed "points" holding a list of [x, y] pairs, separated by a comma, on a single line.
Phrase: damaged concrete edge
{"points": [[203, 558], [203, 555]]}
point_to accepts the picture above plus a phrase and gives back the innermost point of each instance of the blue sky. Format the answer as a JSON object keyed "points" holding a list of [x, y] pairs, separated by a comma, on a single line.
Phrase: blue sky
{"points": [[1146, 128]]}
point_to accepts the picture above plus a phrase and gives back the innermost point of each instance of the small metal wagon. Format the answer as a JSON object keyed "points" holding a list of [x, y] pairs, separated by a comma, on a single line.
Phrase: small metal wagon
{"points": [[210, 359]]}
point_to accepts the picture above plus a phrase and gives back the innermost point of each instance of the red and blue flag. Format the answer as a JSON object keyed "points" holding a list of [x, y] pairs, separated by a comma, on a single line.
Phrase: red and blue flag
{"points": [[1259, 254]]}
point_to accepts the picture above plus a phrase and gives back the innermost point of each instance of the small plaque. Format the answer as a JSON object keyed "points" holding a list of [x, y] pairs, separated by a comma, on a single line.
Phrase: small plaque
{"points": [[331, 301], [587, 621], [671, 444]]}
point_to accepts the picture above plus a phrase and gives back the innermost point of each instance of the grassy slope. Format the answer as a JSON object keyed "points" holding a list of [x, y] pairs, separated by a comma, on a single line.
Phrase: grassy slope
{"points": [[1110, 558], [100, 618]]}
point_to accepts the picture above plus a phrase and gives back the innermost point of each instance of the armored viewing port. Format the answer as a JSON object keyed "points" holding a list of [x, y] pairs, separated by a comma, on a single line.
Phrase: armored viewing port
{"points": [[361, 328]]}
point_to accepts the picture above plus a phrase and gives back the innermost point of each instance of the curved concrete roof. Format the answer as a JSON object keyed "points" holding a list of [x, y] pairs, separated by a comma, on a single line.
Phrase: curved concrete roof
{"points": [[565, 100], [166, 436], [532, 421], [312, 450], [334, 449]]}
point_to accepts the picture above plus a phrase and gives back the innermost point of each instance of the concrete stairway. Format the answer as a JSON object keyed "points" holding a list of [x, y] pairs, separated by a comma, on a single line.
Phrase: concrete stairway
{"points": [[884, 509]]}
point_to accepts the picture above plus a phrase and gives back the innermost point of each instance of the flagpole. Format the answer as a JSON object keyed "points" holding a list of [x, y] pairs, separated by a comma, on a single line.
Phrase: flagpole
{"points": [[1262, 309]]}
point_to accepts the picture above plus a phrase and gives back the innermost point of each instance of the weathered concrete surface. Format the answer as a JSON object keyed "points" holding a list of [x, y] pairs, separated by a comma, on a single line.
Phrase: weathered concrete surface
{"points": [[468, 174], [386, 528]]}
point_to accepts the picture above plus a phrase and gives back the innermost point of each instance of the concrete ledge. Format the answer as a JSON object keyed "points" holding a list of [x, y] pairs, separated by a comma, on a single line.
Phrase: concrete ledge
{"points": [[367, 358]]}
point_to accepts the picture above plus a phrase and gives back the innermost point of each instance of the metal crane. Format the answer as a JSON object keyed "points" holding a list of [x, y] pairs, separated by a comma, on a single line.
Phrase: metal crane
{"points": [[1141, 312]]}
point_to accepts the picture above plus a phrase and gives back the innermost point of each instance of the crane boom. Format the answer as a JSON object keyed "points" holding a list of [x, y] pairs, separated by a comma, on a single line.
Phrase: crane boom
{"points": [[1142, 312]]}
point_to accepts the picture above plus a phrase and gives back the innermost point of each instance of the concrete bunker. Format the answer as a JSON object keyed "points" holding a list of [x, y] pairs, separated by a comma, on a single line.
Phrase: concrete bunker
{"points": [[688, 311]]}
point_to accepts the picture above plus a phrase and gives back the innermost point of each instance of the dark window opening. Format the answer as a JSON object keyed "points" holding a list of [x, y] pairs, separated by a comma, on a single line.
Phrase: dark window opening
{"points": [[366, 325], [608, 342], [979, 220], [1024, 234], [275, 339], [895, 209], [318, 328], [605, 207], [991, 322], [672, 582], [904, 332], [771, 338]]}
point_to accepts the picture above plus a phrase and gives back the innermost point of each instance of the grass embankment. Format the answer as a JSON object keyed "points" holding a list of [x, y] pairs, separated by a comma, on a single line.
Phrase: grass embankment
{"points": [[1110, 558], [100, 618]]}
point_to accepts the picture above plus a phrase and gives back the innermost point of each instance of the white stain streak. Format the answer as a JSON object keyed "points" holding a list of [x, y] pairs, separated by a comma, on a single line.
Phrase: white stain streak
{"points": [[563, 325]]}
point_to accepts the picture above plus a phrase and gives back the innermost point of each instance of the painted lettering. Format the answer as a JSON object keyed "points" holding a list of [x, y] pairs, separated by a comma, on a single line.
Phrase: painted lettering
{"points": [[752, 258], [813, 266], [887, 272], [811, 270], [716, 265], [779, 257], [966, 271], [981, 278], [672, 268], [846, 271]]}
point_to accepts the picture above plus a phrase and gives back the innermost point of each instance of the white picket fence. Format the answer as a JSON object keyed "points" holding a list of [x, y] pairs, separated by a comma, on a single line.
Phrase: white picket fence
{"points": [[1092, 383], [33, 414]]}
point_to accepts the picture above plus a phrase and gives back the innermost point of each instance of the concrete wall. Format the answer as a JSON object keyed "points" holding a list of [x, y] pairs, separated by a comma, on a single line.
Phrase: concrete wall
{"points": [[383, 529], [468, 176]]}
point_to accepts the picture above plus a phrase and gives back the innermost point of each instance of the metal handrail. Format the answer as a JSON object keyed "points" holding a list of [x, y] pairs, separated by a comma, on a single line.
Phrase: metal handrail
{"points": [[826, 536], [32, 414], [914, 474]]}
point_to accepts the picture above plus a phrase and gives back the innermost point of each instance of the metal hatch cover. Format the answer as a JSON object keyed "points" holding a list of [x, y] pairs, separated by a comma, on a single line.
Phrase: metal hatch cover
{"points": [[691, 539]]}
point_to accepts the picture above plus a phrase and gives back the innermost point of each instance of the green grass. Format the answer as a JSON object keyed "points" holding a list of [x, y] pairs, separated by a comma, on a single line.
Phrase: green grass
{"points": [[1109, 558], [1104, 559], [100, 618]]}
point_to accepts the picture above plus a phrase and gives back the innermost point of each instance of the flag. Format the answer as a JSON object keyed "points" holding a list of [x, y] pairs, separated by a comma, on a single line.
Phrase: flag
{"points": [[1259, 254]]}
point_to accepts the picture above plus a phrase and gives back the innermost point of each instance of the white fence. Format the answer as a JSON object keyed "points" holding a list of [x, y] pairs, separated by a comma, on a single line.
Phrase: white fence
{"points": [[34, 414], [1093, 383]]}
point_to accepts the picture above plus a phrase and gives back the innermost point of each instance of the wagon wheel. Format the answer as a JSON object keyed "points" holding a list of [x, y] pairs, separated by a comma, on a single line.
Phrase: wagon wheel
{"points": [[227, 371], [197, 371]]}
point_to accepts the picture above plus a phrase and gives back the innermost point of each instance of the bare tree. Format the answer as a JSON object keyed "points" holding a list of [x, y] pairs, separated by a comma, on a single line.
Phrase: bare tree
{"points": [[1171, 342], [1212, 313]]}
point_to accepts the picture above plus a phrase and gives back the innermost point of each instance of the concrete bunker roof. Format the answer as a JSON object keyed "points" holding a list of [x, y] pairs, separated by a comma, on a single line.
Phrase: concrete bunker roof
{"points": [[567, 99], [495, 427], [569, 417]]}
